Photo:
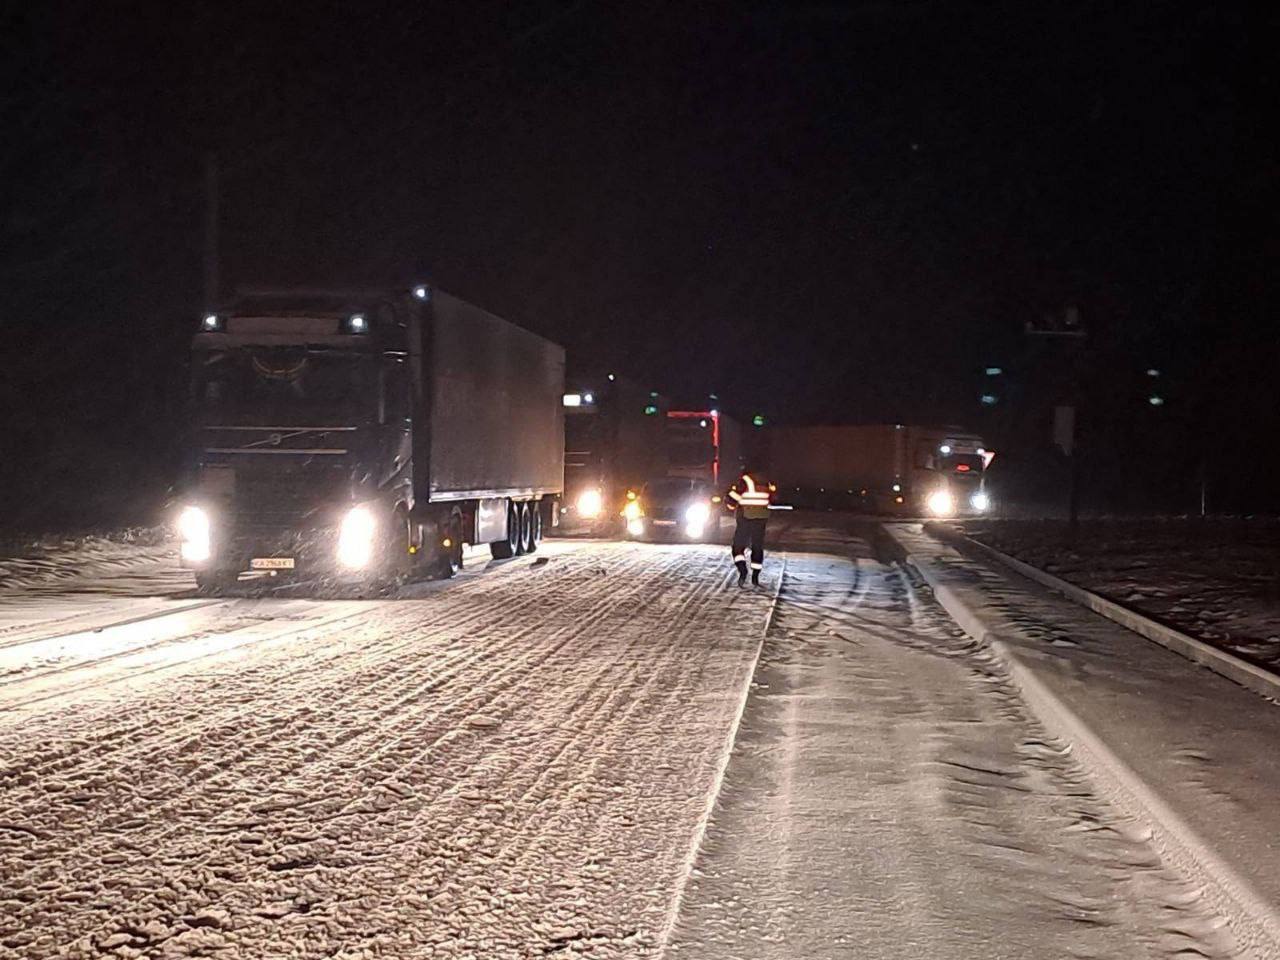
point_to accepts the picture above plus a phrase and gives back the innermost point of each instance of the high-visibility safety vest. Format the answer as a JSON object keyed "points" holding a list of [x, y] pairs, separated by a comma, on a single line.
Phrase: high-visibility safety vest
{"points": [[751, 497]]}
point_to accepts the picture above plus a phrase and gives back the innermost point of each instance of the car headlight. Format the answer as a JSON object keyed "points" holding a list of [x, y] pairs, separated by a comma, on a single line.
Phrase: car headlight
{"points": [[355, 538], [193, 528], [941, 503], [697, 514], [632, 510], [635, 527], [980, 502], [590, 504]]}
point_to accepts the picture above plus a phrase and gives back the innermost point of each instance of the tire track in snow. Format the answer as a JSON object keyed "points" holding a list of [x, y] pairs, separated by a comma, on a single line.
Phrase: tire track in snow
{"points": [[310, 663], [540, 671], [196, 780]]}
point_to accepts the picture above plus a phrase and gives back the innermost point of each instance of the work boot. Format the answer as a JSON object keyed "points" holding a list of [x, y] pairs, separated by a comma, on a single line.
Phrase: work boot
{"points": [[755, 578], [742, 573]]}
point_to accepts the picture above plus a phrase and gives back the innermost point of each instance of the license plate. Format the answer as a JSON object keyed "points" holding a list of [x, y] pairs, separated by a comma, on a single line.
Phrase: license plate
{"points": [[271, 563], [664, 523]]}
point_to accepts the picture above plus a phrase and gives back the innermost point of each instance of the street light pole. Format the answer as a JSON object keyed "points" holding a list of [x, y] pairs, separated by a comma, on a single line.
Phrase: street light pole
{"points": [[210, 230], [1067, 328]]}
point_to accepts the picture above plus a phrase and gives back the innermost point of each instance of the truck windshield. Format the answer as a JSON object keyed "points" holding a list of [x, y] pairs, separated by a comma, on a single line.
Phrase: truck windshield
{"points": [[257, 385], [689, 443], [583, 438]]}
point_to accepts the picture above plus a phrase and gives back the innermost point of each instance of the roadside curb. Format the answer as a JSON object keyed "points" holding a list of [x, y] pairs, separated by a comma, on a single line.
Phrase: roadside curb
{"points": [[1219, 661], [1254, 921]]}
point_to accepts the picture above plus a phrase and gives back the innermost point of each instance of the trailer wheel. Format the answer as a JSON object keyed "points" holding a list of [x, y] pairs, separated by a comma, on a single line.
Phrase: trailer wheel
{"points": [[526, 529], [502, 549], [216, 582], [535, 527]]}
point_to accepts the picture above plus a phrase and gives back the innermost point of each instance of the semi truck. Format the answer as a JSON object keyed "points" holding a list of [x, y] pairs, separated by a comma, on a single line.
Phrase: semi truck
{"points": [[704, 445], [614, 443], [886, 468], [367, 436]]}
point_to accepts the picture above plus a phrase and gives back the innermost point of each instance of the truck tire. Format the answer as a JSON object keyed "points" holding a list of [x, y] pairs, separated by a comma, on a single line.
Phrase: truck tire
{"points": [[449, 559], [216, 582], [502, 549], [526, 528], [400, 563], [535, 535]]}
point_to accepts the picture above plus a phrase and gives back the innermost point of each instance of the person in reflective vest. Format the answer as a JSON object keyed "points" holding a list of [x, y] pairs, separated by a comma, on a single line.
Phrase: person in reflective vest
{"points": [[749, 499]]}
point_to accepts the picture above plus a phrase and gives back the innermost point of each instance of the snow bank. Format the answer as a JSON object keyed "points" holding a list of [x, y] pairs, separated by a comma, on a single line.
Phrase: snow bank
{"points": [[1217, 580]]}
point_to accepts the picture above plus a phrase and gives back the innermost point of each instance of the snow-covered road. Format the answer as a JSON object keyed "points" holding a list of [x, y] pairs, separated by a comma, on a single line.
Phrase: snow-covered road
{"points": [[514, 764], [889, 797], [521, 763]]}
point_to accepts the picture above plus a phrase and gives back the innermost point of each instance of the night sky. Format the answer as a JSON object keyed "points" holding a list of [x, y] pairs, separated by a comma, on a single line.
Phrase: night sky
{"points": [[824, 212]]}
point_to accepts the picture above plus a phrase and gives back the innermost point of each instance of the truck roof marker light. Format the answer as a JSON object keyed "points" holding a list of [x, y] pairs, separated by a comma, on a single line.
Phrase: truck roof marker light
{"points": [[211, 323], [421, 292], [573, 399], [357, 323]]}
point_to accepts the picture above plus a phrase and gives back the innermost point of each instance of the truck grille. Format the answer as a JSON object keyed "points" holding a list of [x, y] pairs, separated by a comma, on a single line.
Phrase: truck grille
{"points": [[288, 500]]}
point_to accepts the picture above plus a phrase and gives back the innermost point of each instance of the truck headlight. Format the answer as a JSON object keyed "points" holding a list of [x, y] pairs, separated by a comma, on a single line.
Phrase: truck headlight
{"points": [[632, 510], [635, 527], [355, 538], [941, 503], [980, 502], [193, 528], [697, 514], [590, 504]]}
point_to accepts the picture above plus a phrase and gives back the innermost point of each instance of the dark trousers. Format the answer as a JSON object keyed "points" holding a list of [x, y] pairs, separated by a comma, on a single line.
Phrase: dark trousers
{"points": [[749, 533]]}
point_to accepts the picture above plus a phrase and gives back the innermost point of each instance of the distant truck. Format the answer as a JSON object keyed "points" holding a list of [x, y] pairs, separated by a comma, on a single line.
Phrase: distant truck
{"points": [[885, 468], [704, 445], [614, 442], [367, 436]]}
